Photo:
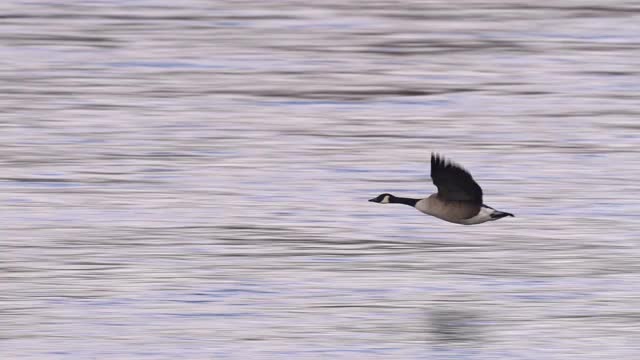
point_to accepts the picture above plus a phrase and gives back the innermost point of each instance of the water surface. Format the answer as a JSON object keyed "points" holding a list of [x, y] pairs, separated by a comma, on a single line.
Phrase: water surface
{"points": [[191, 180]]}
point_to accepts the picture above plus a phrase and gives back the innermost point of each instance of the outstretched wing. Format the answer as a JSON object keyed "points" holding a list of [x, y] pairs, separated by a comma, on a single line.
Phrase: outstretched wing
{"points": [[454, 183]]}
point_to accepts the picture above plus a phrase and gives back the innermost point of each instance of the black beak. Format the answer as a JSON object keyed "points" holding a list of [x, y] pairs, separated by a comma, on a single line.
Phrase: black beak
{"points": [[373, 200]]}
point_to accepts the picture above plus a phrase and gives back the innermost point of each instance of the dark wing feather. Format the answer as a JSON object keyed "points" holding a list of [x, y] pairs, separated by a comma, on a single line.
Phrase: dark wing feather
{"points": [[454, 183]]}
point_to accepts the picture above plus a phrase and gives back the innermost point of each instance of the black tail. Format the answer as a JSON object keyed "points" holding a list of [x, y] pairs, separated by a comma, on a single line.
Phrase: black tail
{"points": [[500, 214]]}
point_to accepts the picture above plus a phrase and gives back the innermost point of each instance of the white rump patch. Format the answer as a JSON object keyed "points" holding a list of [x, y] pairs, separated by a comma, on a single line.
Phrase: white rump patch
{"points": [[483, 216]]}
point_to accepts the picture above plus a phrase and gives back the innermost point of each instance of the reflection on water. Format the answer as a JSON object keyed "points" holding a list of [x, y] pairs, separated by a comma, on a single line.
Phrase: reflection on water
{"points": [[455, 326], [192, 180]]}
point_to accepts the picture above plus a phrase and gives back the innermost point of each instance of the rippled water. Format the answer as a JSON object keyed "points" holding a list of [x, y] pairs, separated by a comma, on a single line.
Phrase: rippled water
{"points": [[190, 180]]}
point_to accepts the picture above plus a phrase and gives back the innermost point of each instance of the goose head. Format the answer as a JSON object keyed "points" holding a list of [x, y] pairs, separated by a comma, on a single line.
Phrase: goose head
{"points": [[382, 198]]}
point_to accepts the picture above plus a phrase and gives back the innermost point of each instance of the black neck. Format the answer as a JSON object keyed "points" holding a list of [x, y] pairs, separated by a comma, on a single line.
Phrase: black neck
{"points": [[406, 201]]}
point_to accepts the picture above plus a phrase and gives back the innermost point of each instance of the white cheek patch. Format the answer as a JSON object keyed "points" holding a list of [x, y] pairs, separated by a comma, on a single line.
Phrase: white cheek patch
{"points": [[385, 200]]}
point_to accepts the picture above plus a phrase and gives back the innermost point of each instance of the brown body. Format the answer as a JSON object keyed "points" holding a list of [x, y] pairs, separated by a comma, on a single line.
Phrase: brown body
{"points": [[453, 211]]}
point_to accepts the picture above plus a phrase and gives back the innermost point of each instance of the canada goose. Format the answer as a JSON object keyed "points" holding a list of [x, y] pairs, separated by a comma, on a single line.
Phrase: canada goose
{"points": [[459, 197]]}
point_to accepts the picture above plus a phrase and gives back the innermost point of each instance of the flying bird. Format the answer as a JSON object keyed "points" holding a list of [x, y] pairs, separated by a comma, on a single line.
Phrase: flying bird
{"points": [[459, 197]]}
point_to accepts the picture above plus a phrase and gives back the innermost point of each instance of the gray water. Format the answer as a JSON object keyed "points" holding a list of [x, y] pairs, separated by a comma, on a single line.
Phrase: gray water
{"points": [[191, 180]]}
